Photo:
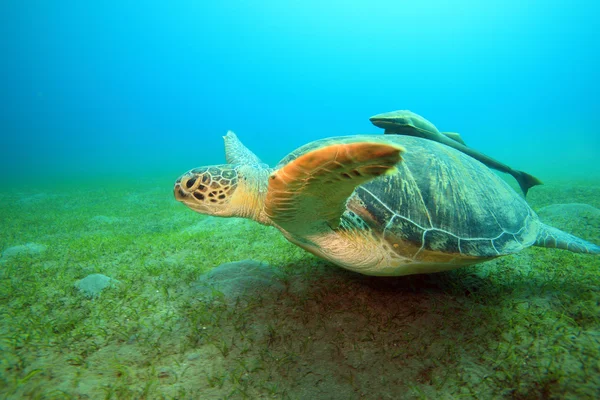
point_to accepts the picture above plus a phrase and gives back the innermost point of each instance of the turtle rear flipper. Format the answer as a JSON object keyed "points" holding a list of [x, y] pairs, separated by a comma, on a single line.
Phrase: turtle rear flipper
{"points": [[313, 188], [555, 238]]}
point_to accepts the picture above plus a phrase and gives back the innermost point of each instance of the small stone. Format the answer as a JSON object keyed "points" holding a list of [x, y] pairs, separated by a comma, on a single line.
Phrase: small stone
{"points": [[93, 284], [193, 356]]}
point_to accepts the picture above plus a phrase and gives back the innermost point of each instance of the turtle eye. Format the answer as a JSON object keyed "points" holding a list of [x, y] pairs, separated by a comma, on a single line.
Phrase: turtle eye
{"points": [[190, 183]]}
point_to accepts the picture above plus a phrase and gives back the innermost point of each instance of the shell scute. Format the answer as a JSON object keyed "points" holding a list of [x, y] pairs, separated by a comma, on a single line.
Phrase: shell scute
{"points": [[439, 201]]}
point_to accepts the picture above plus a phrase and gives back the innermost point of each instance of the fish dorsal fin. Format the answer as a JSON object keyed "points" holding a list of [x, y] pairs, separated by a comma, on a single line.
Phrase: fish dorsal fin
{"points": [[236, 152], [454, 136], [312, 190]]}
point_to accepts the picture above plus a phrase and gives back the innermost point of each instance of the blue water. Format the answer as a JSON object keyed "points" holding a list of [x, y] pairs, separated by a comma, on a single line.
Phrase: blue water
{"points": [[134, 89]]}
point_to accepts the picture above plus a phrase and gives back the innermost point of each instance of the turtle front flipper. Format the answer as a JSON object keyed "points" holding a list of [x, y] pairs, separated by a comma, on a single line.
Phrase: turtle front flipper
{"points": [[312, 189]]}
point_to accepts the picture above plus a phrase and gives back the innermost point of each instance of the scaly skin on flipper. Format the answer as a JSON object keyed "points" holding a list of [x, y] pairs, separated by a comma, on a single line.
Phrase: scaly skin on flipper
{"points": [[404, 122], [555, 238], [315, 186]]}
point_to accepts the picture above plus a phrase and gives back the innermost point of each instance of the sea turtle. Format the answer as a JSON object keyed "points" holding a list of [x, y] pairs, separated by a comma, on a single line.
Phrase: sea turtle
{"points": [[366, 204], [404, 122]]}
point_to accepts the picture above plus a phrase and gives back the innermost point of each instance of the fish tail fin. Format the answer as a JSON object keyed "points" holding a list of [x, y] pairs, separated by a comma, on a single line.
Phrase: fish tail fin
{"points": [[555, 238], [526, 181]]}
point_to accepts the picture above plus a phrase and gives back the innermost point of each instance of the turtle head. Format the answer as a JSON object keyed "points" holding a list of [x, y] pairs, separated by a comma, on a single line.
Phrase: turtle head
{"points": [[208, 190], [226, 190]]}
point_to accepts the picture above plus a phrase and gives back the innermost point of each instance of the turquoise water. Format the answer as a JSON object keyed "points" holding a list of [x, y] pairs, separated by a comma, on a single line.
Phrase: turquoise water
{"points": [[121, 89]]}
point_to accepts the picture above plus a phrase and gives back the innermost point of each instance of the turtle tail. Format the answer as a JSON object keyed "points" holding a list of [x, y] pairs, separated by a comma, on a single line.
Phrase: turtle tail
{"points": [[525, 180], [555, 238]]}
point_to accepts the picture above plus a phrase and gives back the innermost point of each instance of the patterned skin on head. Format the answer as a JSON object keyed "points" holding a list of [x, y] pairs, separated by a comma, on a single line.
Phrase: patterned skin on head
{"points": [[207, 189]]}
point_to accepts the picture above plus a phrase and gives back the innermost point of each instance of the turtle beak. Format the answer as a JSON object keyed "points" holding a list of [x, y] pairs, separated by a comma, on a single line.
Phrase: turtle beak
{"points": [[182, 187], [178, 191]]}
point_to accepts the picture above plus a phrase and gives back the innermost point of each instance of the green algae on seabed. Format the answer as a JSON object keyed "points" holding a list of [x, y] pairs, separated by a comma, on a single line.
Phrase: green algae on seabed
{"points": [[523, 326]]}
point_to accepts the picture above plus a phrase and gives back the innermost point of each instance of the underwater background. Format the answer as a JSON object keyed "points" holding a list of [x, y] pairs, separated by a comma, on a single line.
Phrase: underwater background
{"points": [[123, 88], [110, 289]]}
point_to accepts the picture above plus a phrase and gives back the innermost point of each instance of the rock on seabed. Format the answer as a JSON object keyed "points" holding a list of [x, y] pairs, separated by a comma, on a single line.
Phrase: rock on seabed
{"points": [[92, 285], [31, 249]]}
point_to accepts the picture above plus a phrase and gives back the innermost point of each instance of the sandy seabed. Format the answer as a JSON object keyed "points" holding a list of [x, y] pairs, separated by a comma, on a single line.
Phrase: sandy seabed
{"points": [[287, 325]]}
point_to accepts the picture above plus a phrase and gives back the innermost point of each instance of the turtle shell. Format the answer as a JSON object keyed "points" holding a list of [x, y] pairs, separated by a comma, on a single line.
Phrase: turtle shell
{"points": [[441, 205]]}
